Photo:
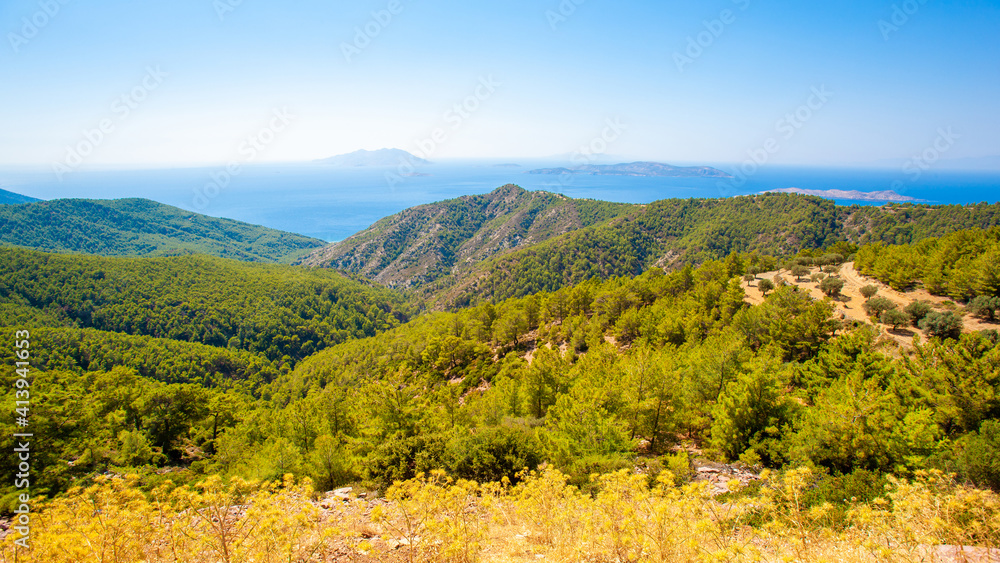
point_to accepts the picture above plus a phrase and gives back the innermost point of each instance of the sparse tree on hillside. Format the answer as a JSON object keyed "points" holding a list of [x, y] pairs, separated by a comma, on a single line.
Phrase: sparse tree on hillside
{"points": [[765, 285], [749, 278], [895, 317], [831, 287], [799, 271], [832, 259], [878, 305], [869, 291]]}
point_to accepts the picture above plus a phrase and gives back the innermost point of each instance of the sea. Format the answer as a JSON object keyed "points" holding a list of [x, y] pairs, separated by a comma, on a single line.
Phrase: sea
{"points": [[333, 203]]}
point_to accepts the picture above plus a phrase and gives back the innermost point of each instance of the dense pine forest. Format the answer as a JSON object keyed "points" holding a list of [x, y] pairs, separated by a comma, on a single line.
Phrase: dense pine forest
{"points": [[584, 380]]}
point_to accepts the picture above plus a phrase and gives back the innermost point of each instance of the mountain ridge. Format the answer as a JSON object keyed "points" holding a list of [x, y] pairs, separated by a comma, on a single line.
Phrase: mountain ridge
{"points": [[428, 241], [510, 242], [14, 198]]}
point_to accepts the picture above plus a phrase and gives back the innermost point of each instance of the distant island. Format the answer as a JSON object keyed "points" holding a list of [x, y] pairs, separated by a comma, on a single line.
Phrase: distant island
{"points": [[884, 195], [648, 169], [381, 157], [11, 198]]}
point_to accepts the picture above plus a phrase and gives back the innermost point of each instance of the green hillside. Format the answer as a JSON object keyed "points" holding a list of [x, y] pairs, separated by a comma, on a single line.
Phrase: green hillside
{"points": [[277, 311], [590, 376], [140, 227]]}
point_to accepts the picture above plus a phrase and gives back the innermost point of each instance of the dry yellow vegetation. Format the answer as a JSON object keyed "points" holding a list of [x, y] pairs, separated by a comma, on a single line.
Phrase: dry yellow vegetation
{"points": [[630, 518]]}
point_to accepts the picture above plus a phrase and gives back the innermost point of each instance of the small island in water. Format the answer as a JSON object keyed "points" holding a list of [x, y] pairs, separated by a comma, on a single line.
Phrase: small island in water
{"points": [[649, 169], [883, 195]]}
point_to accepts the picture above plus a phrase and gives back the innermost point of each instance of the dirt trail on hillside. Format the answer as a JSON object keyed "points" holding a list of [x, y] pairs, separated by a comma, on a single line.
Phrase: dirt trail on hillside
{"points": [[850, 305]]}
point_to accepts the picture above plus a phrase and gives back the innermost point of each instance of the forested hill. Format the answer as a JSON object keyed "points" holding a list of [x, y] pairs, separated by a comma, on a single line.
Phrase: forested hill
{"points": [[424, 243], [11, 198], [281, 312], [140, 227], [513, 243]]}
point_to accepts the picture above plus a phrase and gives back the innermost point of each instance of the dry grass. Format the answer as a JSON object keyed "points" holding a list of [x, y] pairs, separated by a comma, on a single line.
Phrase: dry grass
{"points": [[542, 518]]}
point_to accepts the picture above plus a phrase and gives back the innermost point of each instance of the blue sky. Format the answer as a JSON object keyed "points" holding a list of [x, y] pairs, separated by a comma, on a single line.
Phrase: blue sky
{"points": [[201, 77]]}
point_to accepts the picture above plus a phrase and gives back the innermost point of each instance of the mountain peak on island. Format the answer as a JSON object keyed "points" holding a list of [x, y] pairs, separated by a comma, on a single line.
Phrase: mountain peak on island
{"points": [[11, 198], [380, 157], [641, 168]]}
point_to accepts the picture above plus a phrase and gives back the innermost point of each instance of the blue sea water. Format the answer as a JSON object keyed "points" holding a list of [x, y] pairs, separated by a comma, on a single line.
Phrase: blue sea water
{"points": [[333, 203]]}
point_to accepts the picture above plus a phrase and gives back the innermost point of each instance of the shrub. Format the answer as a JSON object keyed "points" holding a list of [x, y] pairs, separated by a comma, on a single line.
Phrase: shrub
{"points": [[401, 457], [491, 454], [991, 335], [984, 307], [943, 325], [917, 311]]}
